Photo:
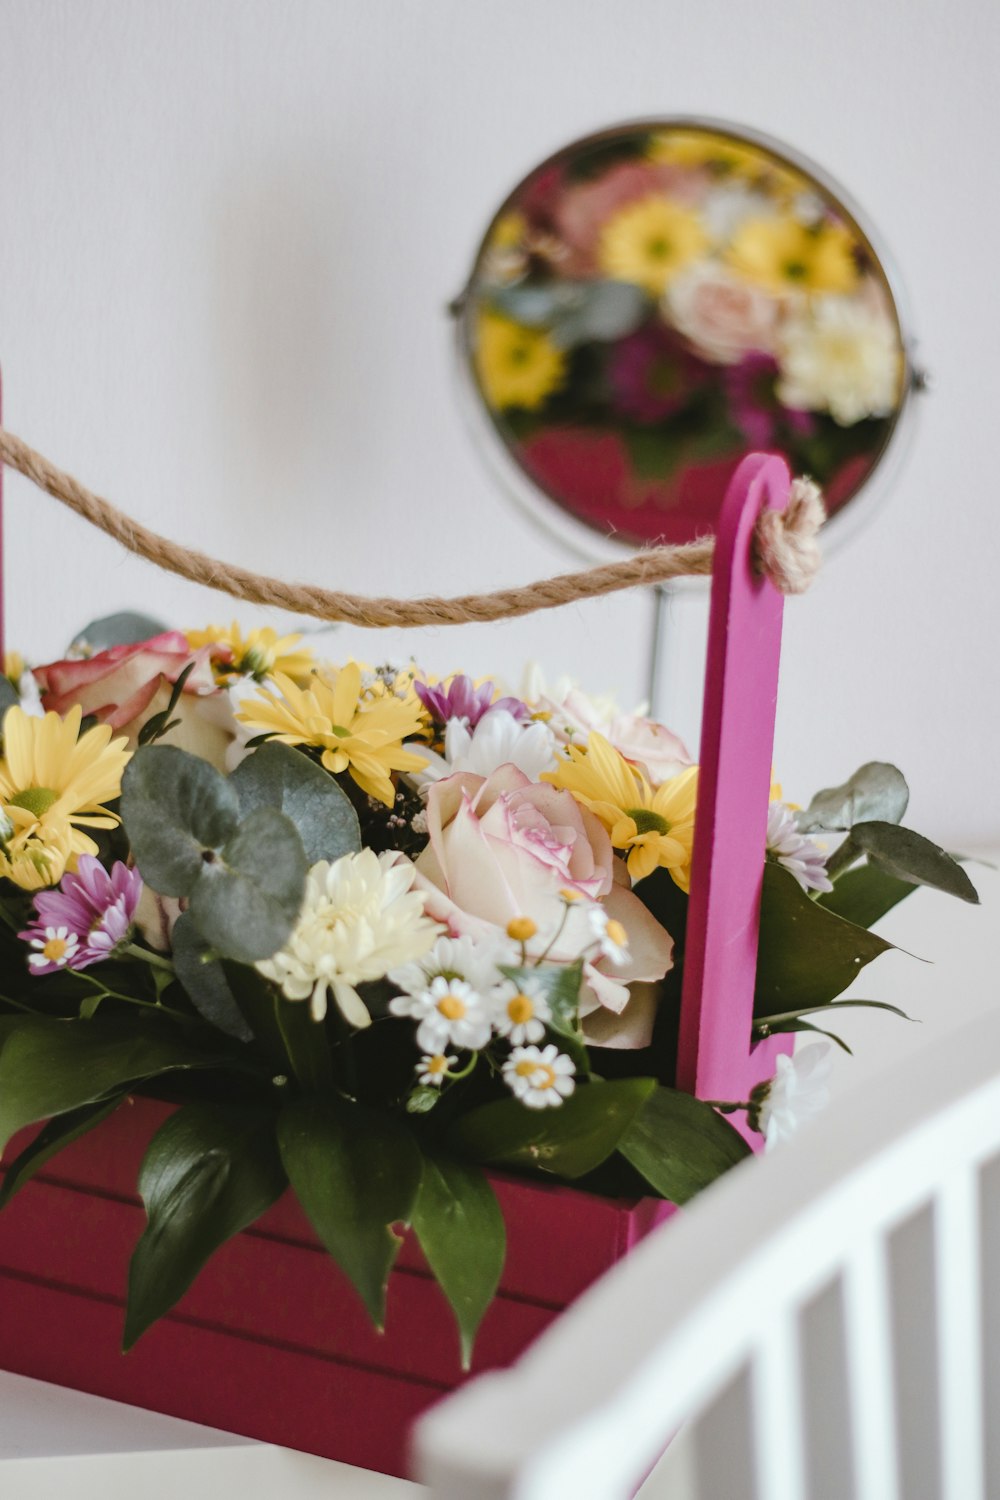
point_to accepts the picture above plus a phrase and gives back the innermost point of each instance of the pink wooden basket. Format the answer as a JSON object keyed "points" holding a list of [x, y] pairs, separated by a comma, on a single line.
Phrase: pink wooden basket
{"points": [[271, 1341]]}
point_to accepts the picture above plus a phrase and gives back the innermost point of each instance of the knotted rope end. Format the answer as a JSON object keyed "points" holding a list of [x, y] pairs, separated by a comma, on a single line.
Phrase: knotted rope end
{"points": [[787, 547]]}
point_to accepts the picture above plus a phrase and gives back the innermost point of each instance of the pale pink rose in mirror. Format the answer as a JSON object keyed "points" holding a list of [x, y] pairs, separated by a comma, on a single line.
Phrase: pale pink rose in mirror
{"points": [[722, 317], [503, 847]]}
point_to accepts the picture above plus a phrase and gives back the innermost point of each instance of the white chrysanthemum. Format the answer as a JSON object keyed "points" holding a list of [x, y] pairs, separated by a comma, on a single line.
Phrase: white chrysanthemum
{"points": [[476, 960], [539, 1077], [804, 859], [798, 1091], [522, 1011], [497, 740], [451, 1014], [840, 356], [359, 919]]}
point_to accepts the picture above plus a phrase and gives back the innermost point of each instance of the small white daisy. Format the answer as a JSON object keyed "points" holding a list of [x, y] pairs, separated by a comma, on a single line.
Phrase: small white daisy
{"points": [[56, 947], [521, 1012], [539, 1077], [609, 933], [798, 1091], [450, 1012], [474, 960], [432, 1070]]}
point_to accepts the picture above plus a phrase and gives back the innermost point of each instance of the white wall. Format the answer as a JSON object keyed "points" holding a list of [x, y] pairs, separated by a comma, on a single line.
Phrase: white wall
{"points": [[228, 230]]}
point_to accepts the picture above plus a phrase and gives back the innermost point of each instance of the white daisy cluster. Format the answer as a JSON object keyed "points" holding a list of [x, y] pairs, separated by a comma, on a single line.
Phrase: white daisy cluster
{"points": [[459, 998]]}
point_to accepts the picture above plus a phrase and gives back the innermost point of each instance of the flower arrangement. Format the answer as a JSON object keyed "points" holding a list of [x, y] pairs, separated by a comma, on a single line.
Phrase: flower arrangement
{"points": [[373, 933], [657, 302]]}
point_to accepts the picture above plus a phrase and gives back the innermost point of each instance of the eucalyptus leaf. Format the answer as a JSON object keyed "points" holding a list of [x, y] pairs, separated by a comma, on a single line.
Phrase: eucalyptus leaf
{"points": [[461, 1231], [876, 790], [278, 776], [9, 695], [50, 1140], [126, 628], [178, 811], [49, 1067], [576, 312], [245, 900], [569, 1141], [204, 980], [905, 855], [681, 1144], [210, 1170], [807, 954], [356, 1172], [865, 894]]}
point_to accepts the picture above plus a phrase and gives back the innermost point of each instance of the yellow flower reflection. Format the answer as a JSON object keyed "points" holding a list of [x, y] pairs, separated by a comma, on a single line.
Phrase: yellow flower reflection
{"points": [[648, 242], [517, 366], [784, 255]]}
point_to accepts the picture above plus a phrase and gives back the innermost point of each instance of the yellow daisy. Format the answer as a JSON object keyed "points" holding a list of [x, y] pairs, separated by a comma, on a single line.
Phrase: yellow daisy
{"points": [[648, 242], [355, 733], [53, 783], [517, 366], [259, 654], [783, 255], [655, 824], [508, 231]]}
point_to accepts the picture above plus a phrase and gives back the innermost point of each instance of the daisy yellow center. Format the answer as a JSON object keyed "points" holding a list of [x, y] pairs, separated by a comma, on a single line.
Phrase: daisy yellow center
{"points": [[526, 1068], [616, 932], [451, 1007], [438, 1064], [647, 821], [546, 1078], [34, 799], [55, 949], [520, 1009]]}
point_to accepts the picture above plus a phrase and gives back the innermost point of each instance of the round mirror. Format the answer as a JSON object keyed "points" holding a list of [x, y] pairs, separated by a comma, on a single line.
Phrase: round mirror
{"points": [[658, 300]]}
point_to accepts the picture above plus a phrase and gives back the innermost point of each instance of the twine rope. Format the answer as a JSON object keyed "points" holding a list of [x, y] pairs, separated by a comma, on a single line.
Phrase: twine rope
{"points": [[785, 546]]}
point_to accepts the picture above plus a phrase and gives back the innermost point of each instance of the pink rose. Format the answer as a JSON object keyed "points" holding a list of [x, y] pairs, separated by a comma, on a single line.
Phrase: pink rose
{"points": [[503, 847], [723, 317], [126, 685]]}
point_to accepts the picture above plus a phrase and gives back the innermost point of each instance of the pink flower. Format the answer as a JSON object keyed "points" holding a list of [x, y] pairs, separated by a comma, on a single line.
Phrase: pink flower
{"points": [[653, 375], [83, 921], [503, 847], [126, 685], [722, 317], [585, 208]]}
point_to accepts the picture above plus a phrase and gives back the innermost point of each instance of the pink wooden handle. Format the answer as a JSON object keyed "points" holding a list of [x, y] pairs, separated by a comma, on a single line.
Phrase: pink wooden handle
{"points": [[737, 741], [2, 641]]}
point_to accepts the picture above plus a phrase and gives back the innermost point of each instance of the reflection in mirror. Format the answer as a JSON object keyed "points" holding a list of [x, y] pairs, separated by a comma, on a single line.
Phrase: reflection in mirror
{"points": [[655, 302]]}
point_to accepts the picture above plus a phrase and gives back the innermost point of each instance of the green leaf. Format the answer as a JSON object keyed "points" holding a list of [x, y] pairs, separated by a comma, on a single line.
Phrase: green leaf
{"points": [[775, 1022], [356, 1172], [681, 1144], [576, 312], [568, 1141], [800, 1025], [50, 1140], [561, 983], [178, 811], [127, 628], [278, 776], [259, 1001], [246, 899], [9, 695], [160, 723], [49, 1067], [876, 790], [204, 980], [807, 954], [865, 895], [906, 855], [210, 1170], [461, 1231]]}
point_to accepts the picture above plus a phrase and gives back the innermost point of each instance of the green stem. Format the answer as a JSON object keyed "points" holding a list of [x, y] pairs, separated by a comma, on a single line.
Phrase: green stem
{"points": [[726, 1107], [464, 1072], [306, 1045], [157, 960], [555, 936], [164, 1010]]}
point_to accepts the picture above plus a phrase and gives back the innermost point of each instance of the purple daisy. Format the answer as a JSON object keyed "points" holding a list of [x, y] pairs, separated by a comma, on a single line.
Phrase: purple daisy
{"points": [[461, 699], [83, 921]]}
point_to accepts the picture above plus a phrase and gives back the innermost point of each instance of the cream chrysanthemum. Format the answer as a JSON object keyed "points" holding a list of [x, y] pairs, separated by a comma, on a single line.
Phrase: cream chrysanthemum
{"points": [[842, 357], [53, 783], [356, 733], [359, 919]]}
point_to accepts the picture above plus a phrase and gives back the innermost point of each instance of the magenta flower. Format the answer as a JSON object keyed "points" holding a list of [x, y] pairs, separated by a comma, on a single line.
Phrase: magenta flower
{"points": [[653, 375], [83, 921], [754, 404], [461, 699]]}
